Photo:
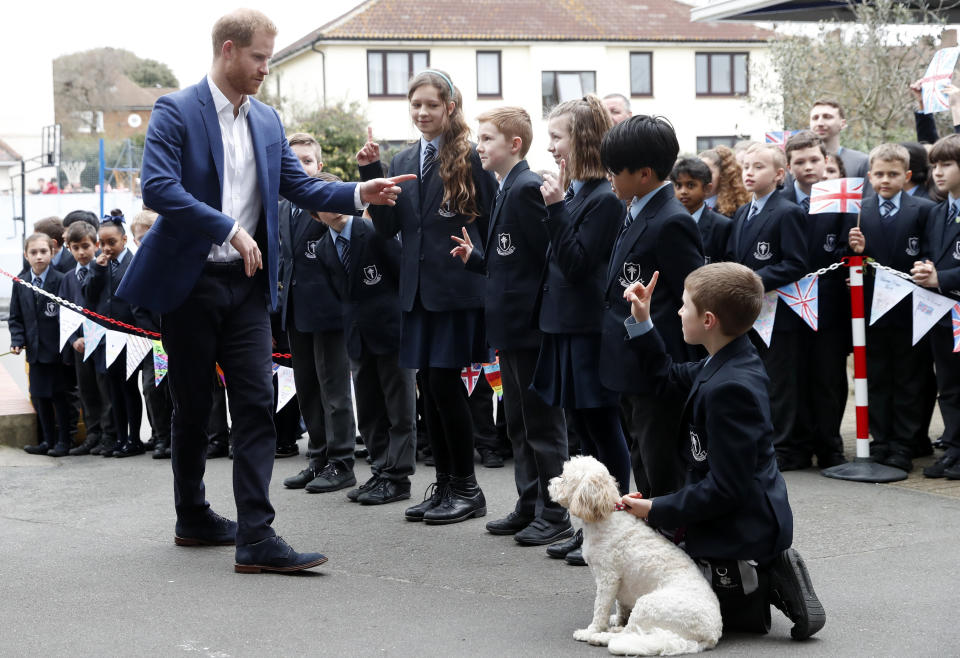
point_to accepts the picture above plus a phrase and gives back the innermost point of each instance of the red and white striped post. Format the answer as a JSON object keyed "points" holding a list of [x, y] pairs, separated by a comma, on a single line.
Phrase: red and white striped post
{"points": [[863, 468]]}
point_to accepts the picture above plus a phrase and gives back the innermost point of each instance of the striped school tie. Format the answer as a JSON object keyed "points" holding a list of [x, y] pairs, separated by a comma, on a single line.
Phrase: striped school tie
{"points": [[887, 208], [429, 160]]}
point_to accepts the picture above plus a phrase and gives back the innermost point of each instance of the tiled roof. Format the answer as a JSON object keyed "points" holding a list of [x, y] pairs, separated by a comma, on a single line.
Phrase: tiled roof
{"points": [[127, 94], [7, 154], [523, 20]]}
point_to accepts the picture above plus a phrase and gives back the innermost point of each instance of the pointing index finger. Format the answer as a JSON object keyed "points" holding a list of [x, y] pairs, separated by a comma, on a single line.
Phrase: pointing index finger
{"points": [[369, 133], [403, 178]]}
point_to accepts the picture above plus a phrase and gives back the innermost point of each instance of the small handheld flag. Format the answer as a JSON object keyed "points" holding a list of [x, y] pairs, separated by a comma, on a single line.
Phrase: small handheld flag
{"points": [[838, 195]]}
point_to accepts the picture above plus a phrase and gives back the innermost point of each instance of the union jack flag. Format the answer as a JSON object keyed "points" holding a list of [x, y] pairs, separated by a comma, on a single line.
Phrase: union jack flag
{"points": [[802, 298], [469, 375], [779, 137], [938, 75], [955, 314], [838, 195]]}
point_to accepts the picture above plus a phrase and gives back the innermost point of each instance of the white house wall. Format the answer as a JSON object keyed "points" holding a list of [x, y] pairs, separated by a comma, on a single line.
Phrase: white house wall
{"points": [[301, 83]]}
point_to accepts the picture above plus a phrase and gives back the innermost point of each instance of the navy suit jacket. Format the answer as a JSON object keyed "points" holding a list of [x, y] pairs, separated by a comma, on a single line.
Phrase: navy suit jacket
{"points": [[426, 268], [369, 292], [941, 244], [714, 234], [582, 232], [315, 305], [182, 179], [34, 320], [774, 245], [734, 502], [896, 244], [512, 256], [662, 238]]}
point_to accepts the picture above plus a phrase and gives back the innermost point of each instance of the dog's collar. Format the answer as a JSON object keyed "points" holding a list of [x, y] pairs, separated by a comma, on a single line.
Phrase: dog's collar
{"points": [[620, 507]]}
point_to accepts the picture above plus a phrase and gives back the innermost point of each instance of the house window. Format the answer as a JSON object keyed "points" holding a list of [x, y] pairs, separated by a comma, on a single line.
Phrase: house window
{"points": [[87, 119], [560, 86], [389, 71], [488, 74], [722, 74], [641, 74], [705, 143]]}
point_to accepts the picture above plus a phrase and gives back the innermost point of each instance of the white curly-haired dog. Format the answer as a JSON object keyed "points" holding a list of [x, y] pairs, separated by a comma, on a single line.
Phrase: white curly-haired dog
{"points": [[664, 605]]}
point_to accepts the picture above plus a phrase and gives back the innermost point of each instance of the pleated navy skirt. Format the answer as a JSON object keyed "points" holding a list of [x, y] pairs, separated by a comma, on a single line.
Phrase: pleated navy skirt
{"points": [[568, 372], [442, 339]]}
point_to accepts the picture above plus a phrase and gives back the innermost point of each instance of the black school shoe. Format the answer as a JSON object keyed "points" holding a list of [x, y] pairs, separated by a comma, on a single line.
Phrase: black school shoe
{"points": [[511, 524], [304, 477], [88, 444], [938, 468], [491, 459], [791, 591], [41, 448], [217, 449], [59, 450], [461, 500], [431, 498], [542, 532], [353, 494], [560, 550], [575, 558], [129, 448], [331, 477], [287, 450], [385, 491]]}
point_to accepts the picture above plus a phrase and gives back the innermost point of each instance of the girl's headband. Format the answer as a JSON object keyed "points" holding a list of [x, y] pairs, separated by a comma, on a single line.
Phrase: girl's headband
{"points": [[445, 78]]}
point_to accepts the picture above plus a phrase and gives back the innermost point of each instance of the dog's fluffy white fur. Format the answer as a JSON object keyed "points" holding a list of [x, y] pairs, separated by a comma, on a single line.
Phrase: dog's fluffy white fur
{"points": [[664, 605]]}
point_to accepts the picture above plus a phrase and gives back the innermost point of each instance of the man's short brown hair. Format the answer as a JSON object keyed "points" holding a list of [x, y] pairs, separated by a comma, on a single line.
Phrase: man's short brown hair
{"points": [[511, 122], [832, 102], [946, 148], [305, 139], [890, 152], [51, 226], [731, 291], [239, 26], [804, 139]]}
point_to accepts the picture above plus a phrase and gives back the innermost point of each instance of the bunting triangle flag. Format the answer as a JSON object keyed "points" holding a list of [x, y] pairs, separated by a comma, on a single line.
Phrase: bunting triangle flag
{"points": [[159, 362], [801, 296], [285, 386], [93, 333], [492, 372], [70, 321], [469, 375], [137, 348], [115, 341], [888, 290], [955, 316], [928, 308], [768, 313]]}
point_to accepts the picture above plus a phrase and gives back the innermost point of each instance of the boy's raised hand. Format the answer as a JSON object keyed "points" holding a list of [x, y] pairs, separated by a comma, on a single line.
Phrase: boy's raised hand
{"points": [[639, 297], [552, 188], [370, 152], [856, 240], [464, 246]]}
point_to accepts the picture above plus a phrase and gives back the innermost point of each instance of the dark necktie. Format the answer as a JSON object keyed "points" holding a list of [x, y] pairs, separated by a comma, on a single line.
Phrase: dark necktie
{"points": [[954, 215], [37, 282], [344, 252], [568, 197], [81, 274], [754, 211], [429, 160], [805, 204], [887, 209]]}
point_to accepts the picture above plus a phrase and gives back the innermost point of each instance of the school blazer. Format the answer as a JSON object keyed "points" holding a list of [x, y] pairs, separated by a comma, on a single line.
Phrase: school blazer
{"points": [[734, 501], [774, 245], [315, 305], [662, 238], [369, 292], [941, 244], [426, 268], [512, 256], [897, 245], [67, 261], [182, 180], [714, 234], [34, 320], [101, 287], [71, 290], [827, 235], [582, 232]]}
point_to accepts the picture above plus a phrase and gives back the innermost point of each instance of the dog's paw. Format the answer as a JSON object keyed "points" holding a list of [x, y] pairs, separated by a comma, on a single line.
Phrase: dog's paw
{"points": [[584, 634], [600, 639], [616, 629]]}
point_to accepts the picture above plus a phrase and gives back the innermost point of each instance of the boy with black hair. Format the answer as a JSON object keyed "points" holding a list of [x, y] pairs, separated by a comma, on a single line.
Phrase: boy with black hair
{"points": [[733, 507], [939, 268], [658, 234], [891, 228], [691, 182], [80, 216], [62, 260], [822, 364], [768, 237]]}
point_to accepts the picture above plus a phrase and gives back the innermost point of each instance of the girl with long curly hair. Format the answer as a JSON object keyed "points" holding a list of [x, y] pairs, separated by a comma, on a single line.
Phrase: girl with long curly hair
{"points": [[442, 323], [728, 192]]}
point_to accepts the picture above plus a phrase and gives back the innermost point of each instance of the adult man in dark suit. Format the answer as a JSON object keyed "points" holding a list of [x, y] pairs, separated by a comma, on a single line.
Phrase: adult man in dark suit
{"points": [[215, 162]]}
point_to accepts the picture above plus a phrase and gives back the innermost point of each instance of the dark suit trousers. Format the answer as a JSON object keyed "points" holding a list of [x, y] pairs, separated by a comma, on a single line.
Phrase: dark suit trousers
{"points": [[321, 373], [224, 320], [780, 361], [651, 431], [537, 432], [823, 389], [217, 429], [387, 413], [948, 386], [895, 385], [94, 398]]}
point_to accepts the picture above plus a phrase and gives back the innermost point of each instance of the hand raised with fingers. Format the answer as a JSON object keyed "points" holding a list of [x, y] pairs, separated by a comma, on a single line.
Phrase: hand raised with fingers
{"points": [[464, 246], [552, 188], [639, 296], [370, 152]]}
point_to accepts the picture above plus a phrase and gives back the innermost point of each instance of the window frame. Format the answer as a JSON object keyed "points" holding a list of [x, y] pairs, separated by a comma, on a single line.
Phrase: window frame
{"points": [[499, 94], [724, 94], [728, 140], [546, 110], [383, 69], [649, 54]]}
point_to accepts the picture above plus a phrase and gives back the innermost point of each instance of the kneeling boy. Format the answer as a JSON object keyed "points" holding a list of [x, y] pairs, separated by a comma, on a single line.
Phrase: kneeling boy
{"points": [[733, 508]]}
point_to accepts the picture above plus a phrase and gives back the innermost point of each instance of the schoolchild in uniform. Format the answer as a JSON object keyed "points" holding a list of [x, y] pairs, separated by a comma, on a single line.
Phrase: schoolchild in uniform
{"points": [[583, 224], [833, 167], [892, 224], [939, 269], [35, 327], [100, 294], [822, 363], [442, 323], [733, 507], [657, 234], [691, 182], [768, 237], [512, 255], [310, 313], [364, 267]]}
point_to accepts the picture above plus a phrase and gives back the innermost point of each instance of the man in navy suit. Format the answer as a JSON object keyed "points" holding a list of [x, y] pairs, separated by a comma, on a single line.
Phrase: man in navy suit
{"points": [[215, 162]]}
